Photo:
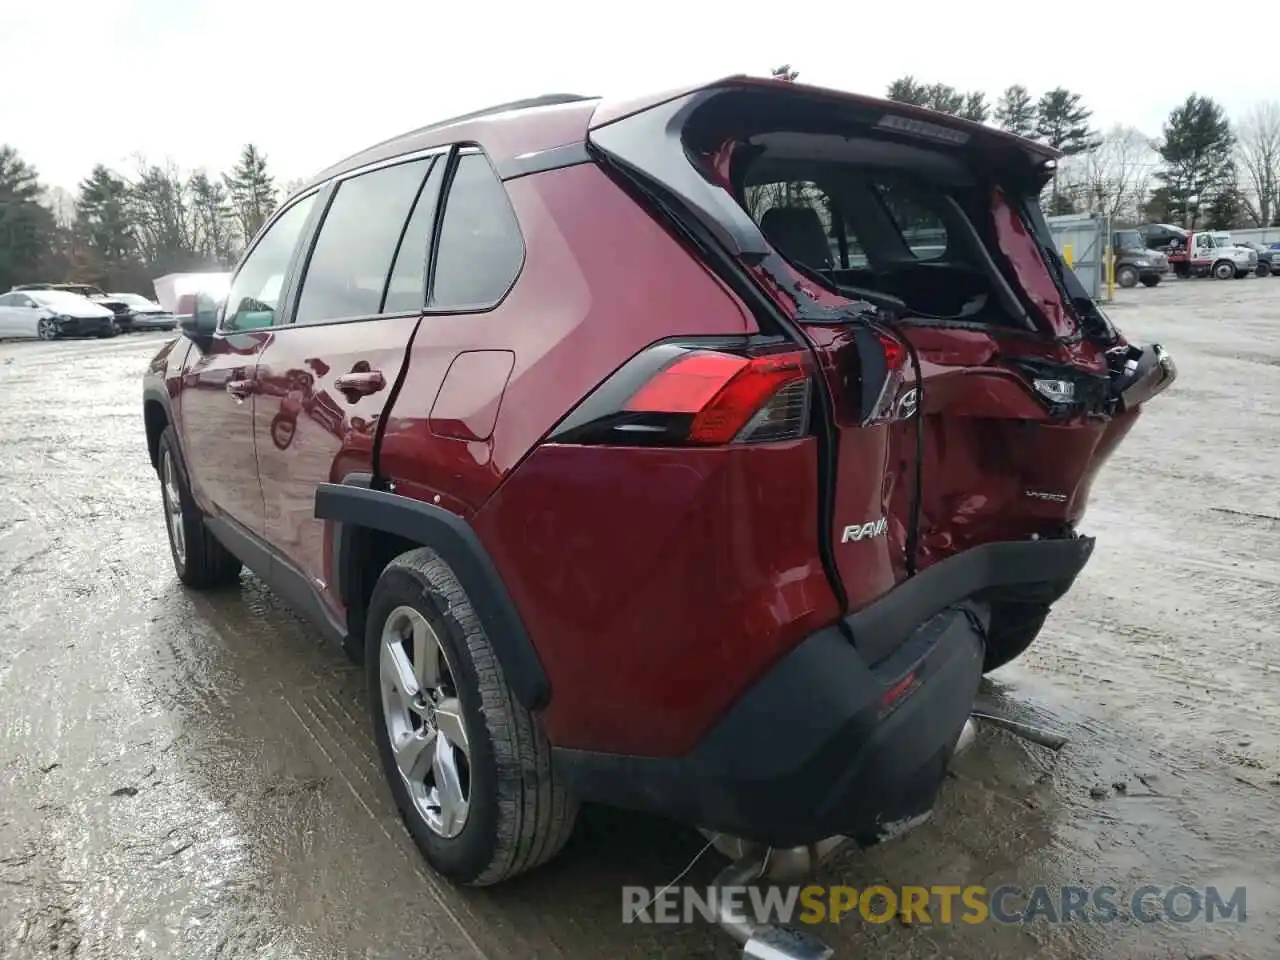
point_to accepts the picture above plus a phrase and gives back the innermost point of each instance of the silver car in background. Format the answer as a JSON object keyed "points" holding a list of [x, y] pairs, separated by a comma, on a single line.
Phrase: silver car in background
{"points": [[147, 314], [49, 314]]}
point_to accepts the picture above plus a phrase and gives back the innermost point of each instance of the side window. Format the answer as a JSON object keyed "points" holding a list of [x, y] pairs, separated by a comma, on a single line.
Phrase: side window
{"points": [[481, 249], [350, 263], [407, 288], [8, 300], [255, 291], [916, 219]]}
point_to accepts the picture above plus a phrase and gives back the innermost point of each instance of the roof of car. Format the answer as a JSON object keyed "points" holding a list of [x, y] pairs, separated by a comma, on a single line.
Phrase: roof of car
{"points": [[55, 286], [505, 130], [523, 127]]}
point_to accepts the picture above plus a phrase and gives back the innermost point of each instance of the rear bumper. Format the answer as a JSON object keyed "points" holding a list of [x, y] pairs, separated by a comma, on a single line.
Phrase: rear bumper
{"points": [[830, 741]]}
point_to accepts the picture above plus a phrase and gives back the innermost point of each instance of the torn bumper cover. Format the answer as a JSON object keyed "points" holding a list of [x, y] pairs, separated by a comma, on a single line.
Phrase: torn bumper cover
{"points": [[835, 740]]}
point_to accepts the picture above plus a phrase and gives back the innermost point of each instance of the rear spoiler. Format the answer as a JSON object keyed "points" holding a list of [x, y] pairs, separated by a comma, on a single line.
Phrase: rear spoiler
{"points": [[904, 117], [653, 138]]}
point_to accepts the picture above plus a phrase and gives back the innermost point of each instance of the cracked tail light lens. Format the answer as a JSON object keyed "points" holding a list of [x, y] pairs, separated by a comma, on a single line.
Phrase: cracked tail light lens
{"points": [[698, 397], [895, 362]]}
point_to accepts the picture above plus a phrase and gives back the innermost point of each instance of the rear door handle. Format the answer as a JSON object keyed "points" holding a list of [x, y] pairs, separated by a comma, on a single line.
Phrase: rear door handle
{"points": [[239, 389], [360, 384]]}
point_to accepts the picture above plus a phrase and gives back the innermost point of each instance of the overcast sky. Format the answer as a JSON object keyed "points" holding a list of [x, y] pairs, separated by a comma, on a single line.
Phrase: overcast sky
{"points": [[90, 81]]}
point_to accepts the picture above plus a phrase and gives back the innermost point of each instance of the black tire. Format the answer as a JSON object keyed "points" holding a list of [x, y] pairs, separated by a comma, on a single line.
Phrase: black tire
{"points": [[1262, 270], [111, 331], [47, 329], [1127, 276], [1224, 270], [520, 814], [202, 562], [1150, 281], [1013, 629]]}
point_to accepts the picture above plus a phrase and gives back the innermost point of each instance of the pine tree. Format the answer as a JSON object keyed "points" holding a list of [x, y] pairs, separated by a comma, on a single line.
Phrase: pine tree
{"points": [[25, 225], [103, 226], [1063, 123], [941, 97], [944, 98], [1016, 111], [908, 90], [1197, 153], [252, 190], [975, 107]]}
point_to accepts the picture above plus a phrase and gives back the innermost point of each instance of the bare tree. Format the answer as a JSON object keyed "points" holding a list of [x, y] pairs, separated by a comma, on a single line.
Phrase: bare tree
{"points": [[163, 219], [1115, 176], [1258, 149]]}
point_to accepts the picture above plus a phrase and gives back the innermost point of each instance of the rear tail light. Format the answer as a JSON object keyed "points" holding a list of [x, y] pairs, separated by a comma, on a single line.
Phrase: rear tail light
{"points": [[682, 395], [895, 363]]}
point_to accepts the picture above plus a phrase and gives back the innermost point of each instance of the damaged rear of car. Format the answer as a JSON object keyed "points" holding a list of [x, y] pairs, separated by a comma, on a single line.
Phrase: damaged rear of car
{"points": [[962, 391]]}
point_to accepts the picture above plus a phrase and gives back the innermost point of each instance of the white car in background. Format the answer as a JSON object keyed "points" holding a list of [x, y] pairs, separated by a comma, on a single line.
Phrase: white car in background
{"points": [[147, 314], [47, 314]]}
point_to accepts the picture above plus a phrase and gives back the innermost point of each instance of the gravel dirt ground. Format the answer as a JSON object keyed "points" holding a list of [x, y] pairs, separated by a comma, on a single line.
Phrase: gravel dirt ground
{"points": [[190, 776]]}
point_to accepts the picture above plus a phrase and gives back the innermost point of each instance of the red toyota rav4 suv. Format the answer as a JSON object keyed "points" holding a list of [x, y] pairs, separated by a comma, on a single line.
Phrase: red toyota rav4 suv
{"points": [[694, 454]]}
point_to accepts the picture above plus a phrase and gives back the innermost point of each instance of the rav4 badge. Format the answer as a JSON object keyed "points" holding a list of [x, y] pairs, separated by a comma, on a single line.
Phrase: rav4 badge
{"points": [[863, 531]]}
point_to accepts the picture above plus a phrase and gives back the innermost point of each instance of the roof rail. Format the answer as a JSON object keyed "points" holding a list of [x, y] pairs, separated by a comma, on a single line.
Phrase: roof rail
{"points": [[546, 100]]}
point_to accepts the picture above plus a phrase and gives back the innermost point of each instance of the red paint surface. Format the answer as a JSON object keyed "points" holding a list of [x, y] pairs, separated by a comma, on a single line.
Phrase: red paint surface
{"points": [[580, 309], [658, 584], [309, 432], [466, 407]]}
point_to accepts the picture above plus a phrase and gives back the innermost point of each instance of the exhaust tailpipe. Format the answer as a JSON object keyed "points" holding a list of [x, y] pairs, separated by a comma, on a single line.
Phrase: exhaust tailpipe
{"points": [[760, 941], [753, 862]]}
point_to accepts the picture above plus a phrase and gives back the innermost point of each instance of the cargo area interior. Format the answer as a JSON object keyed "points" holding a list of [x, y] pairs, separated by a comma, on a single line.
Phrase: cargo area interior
{"points": [[863, 214]]}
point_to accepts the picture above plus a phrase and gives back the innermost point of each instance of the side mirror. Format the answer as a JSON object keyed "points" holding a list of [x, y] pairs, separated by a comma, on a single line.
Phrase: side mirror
{"points": [[197, 316]]}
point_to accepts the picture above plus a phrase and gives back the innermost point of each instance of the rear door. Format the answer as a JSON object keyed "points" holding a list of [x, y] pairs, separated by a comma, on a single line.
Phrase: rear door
{"points": [[218, 395], [327, 371]]}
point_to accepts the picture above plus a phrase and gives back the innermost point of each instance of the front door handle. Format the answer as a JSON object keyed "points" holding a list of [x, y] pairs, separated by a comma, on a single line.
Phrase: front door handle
{"points": [[360, 384], [239, 389]]}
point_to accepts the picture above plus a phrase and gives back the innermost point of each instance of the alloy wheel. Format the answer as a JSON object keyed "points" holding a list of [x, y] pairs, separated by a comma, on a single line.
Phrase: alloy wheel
{"points": [[46, 329], [424, 721], [173, 508]]}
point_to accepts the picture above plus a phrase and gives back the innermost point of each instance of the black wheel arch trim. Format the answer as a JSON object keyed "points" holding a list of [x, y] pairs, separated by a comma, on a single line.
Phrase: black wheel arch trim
{"points": [[153, 393], [354, 504]]}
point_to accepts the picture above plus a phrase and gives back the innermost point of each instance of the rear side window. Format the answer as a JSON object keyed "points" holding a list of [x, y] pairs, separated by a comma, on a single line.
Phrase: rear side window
{"points": [[358, 241], [481, 250], [407, 288], [917, 219]]}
